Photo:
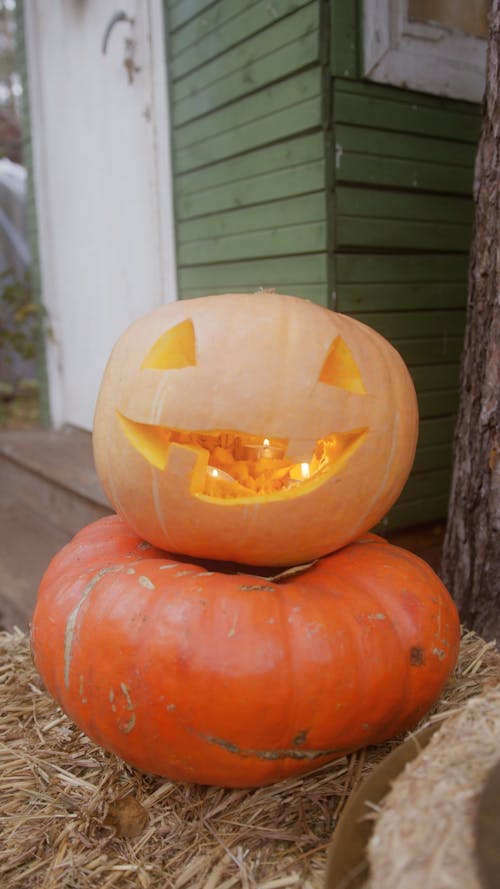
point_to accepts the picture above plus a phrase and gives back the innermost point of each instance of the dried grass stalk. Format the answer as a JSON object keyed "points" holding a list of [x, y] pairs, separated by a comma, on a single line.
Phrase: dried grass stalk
{"points": [[60, 824]]}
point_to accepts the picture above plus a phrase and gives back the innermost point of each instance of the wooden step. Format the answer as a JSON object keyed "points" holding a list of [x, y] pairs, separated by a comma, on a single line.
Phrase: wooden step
{"points": [[28, 544], [48, 491], [53, 472]]}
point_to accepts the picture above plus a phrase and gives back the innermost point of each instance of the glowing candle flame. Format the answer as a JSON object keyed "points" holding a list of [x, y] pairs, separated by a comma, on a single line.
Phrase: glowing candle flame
{"points": [[266, 449], [219, 474], [305, 470]]}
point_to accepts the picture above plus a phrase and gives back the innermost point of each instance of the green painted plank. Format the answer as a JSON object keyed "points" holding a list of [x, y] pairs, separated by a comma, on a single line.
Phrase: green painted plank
{"points": [[249, 79], [434, 457], [354, 268], [276, 125], [439, 120], [223, 26], [310, 177], [257, 273], [379, 204], [373, 218], [307, 237], [435, 377], [398, 325], [201, 26], [402, 146], [416, 512], [345, 38], [249, 110], [246, 57], [293, 211], [426, 484], [403, 235], [177, 14], [283, 156], [410, 97], [440, 350], [314, 292], [436, 431], [438, 402], [394, 173], [410, 295]]}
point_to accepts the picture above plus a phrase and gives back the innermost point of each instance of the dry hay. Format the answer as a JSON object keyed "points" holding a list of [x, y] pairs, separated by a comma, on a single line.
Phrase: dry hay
{"points": [[424, 835], [64, 822]]}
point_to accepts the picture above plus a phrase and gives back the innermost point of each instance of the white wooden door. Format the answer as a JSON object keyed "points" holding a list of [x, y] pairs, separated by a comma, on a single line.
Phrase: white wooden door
{"points": [[102, 182]]}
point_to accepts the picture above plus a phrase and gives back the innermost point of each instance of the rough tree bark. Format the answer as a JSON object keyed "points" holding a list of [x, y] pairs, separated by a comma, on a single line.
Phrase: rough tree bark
{"points": [[471, 556]]}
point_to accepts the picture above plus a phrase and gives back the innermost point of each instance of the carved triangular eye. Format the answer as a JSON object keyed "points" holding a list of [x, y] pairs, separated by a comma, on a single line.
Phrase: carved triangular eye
{"points": [[175, 348], [340, 369]]}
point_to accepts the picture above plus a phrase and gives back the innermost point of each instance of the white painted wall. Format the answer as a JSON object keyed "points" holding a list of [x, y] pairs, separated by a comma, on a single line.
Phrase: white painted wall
{"points": [[102, 184]]}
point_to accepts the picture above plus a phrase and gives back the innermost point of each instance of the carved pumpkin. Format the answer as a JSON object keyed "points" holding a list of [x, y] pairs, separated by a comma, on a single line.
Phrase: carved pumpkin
{"points": [[257, 428], [235, 679]]}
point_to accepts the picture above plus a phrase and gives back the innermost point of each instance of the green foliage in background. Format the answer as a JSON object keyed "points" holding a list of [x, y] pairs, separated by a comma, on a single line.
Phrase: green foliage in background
{"points": [[20, 318]]}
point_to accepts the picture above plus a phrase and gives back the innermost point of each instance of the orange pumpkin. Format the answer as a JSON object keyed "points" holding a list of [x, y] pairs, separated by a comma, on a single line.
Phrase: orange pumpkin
{"points": [[257, 428], [232, 678]]}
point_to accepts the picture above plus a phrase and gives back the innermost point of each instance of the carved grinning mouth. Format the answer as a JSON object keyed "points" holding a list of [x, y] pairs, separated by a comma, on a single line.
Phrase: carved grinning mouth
{"points": [[235, 465], [239, 464]]}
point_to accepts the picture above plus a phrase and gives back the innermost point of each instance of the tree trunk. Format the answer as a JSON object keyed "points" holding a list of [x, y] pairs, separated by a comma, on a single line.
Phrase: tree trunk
{"points": [[471, 556]]}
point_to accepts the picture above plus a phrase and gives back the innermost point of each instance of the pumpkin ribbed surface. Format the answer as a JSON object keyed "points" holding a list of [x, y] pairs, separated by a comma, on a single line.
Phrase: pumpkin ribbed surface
{"points": [[257, 428], [229, 678]]}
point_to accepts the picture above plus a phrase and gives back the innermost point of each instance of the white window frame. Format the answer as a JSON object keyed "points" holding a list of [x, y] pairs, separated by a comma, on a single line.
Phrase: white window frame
{"points": [[427, 57]]}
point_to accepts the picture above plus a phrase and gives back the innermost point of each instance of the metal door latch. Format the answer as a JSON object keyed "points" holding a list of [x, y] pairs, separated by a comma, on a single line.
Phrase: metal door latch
{"points": [[130, 44]]}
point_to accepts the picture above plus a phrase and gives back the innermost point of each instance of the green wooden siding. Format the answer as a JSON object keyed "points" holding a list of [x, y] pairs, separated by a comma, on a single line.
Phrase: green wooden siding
{"points": [[247, 109], [402, 214], [32, 224], [293, 172]]}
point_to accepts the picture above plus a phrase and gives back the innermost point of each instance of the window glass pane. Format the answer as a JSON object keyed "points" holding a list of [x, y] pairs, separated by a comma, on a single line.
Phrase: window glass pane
{"points": [[468, 16]]}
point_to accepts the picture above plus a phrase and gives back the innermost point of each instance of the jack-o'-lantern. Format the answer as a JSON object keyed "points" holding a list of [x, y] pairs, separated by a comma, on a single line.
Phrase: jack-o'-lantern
{"points": [[256, 428]]}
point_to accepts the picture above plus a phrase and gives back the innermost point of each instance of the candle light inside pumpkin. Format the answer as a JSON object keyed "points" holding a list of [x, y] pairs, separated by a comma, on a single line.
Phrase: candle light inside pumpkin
{"points": [[218, 482], [219, 474], [266, 449], [301, 472]]}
